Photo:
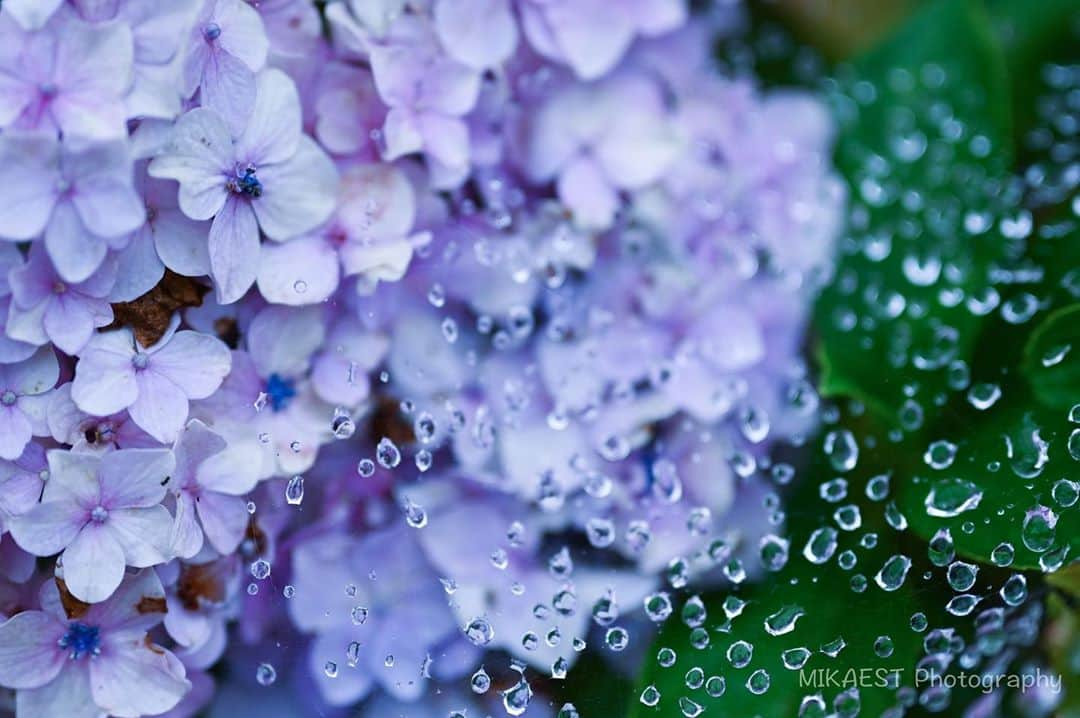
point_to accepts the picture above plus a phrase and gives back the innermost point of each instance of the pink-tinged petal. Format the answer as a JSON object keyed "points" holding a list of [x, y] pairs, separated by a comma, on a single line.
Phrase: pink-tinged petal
{"points": [[104, 381], [68, 695], [479, 33], [199, 156], [445, 138], [134, 477], [28, 174], [228, 88], [300, 271], [186, 538], [233, 471], [29, 654], [93, 564], [144, 535], [224, 520], [36, 375], [181, 243], [135, 607], [48, 528], [402, 132], [234, 250], [15, 432], [272, 133], [242, 33], [298, 194], [69, 321], [32, 14], [282, 339], [193, 361], [162, 407], [73, 478], [136, 679], [73, 250], [139, 269], [586, 191]]}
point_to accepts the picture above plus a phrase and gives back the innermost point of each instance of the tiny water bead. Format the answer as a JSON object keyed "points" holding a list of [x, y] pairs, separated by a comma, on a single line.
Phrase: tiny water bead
{"points": [[480, 682], [265, 674], [516, 698], [387, 453], [294, 491]]}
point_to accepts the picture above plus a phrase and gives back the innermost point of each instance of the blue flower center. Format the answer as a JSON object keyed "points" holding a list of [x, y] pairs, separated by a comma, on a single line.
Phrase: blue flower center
{"points": [[81, 640], [8, 398], [212, 31], [246, 183], [279, 391]]}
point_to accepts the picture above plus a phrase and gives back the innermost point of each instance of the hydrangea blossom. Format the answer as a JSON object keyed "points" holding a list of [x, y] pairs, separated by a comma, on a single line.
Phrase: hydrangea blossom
{"points": [[400, 333], [85, 660], [271, 178], [153, 383], [103, 513]]}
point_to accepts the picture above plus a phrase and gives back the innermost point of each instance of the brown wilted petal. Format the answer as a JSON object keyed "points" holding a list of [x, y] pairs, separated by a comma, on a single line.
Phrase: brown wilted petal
{"points": [[149, 315]]}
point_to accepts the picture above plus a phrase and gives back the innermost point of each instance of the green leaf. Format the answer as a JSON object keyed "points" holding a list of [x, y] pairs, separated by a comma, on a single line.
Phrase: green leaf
{"points": [[832, 609], [1031, 37], [1011, 455], [1052, 358], [925, 148]]}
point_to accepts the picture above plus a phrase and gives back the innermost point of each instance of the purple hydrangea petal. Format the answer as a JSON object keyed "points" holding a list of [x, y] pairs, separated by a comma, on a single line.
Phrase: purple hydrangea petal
{"points": [[93, 563], [234, 250]]}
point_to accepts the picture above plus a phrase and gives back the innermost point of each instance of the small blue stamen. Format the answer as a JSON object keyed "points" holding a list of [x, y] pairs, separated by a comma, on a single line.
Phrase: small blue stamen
{"points": [[81, 640], [279, 391], [212, 31], [247, 183]]}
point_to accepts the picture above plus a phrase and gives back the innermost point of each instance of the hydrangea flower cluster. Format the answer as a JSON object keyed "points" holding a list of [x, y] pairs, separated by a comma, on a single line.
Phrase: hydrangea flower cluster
{"points": [[346, 343]]}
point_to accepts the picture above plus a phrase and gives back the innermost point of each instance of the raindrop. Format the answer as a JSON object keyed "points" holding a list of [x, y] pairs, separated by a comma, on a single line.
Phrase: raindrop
{"points": [[387, 453], [294, 491]]}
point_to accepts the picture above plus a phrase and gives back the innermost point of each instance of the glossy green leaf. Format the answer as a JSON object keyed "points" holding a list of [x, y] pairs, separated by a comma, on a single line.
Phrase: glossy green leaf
{"points": [[925, 147], [1051, 361]]}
